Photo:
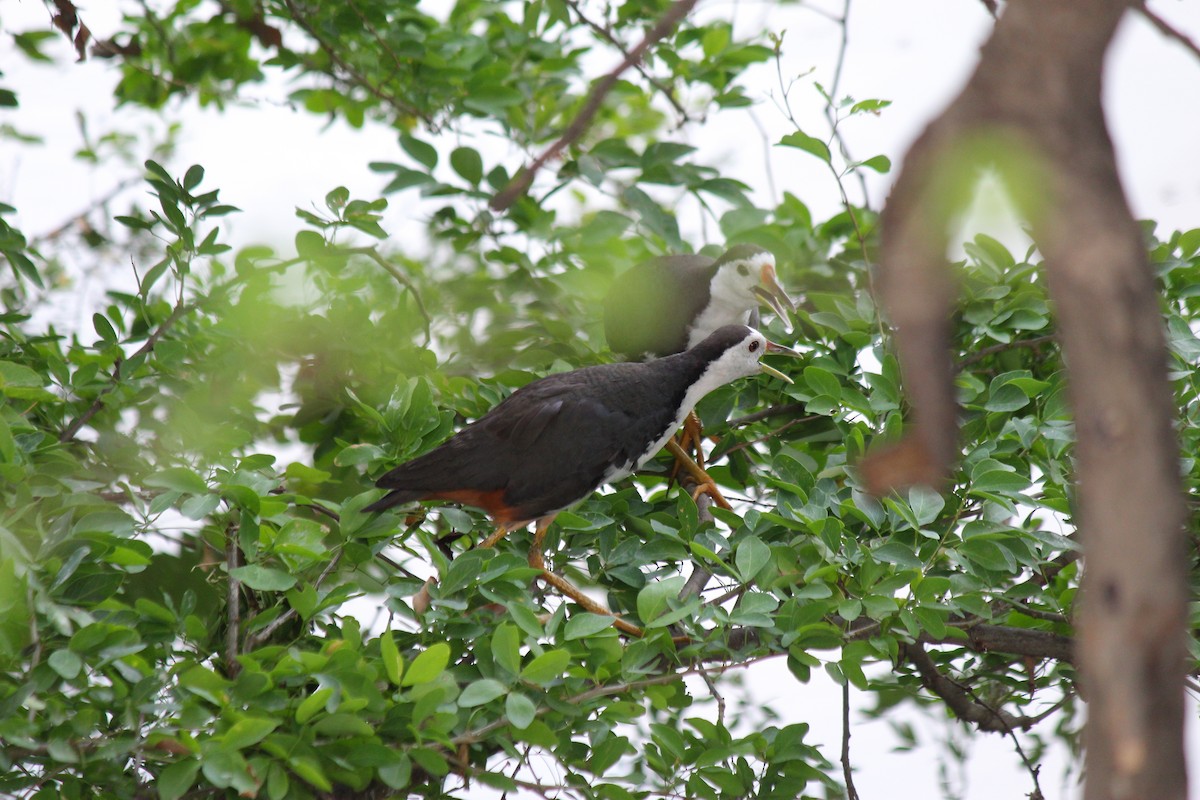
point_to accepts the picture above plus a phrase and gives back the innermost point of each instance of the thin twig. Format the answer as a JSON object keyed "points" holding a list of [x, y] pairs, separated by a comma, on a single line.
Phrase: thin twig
{"points": [[404, 280], [716, 693], [1169, 30], [728, 595], [1033, 769], [233, 603], [770, 435], [961, 701], [979, 355], [607, 35], [82, 216], [847, 773], [788, 409], [69, 432], [360, 80], [522, 180], [834, 88], [767, 146], [701, 575], [260, 637]]}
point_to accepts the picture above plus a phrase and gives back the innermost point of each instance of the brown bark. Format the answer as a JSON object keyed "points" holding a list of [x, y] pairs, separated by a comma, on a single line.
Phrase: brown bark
{"points": [[1035, 99]]}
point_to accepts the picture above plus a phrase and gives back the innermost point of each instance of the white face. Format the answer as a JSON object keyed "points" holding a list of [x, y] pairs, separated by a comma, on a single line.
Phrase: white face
{"points": [[739, 361], [734, 282]]}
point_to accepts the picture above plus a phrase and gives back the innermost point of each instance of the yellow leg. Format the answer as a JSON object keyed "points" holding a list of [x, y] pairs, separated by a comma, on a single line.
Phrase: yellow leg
{"points": [[706, 485], [693, 434], [537, 561], [499, 534]]}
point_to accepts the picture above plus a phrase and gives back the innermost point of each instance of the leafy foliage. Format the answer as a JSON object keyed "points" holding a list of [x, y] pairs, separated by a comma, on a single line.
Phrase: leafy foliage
{"points": [[193, 600]]}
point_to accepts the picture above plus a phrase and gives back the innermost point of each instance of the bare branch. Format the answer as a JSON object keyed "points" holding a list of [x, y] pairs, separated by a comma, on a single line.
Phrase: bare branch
{"points": [[847, 772], [959, 699], [523, 179], [701, 575], [1169, 30], [81, 217]]}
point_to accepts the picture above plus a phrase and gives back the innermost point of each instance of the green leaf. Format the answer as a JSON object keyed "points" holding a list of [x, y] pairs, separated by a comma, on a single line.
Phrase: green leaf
{"points": [[822, 382], [926, 504], [586, 624], [481, 692], [506, 644], [655, 597], [180, 479], [310, 705], [427, 665], [749, 558], [872, 106], [308, 768], [393, 662], [547, 667], [104, 328], [881, 164], [808, 144], [174, 781], [193, 177], [1000, 481], [898, 554], [263, 579], [248, 731], [303, 472], [65, 663], [467, 162], [337, 198], [398, 774], [520, 710], [13, 375], [422, 152]]}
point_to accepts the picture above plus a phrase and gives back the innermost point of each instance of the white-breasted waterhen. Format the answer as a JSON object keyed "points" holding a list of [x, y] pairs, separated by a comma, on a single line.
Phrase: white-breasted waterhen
{"points": [[554, 441], [670, 303]]}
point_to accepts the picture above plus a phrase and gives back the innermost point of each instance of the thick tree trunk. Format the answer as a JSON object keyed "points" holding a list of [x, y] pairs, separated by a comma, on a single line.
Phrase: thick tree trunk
{"points": [[1036, 98]]}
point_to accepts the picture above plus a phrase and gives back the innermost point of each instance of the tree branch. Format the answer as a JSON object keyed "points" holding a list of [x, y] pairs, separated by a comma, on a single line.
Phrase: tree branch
{"points": [[786, 409], [73, 428], [1168, 30], [233, 603], [607, 35], [82, 216], [959, 700], [982, 353], [847, 772], [401, 278], [523, 179], [360, 80]]}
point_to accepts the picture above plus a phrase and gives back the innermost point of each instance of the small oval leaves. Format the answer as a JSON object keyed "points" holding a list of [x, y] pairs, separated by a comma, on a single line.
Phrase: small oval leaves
{"points": [[547, 667], [393, 662], [520, 710], [480, 692], [428, 665]]}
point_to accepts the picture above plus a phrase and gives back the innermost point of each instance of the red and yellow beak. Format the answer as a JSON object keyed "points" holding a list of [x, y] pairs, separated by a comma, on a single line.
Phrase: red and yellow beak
{"points": [[779, 350], [771, 293]]}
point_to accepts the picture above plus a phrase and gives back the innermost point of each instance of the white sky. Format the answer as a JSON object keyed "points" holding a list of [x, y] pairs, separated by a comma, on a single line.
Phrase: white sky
{"points": [[267, 158]]}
